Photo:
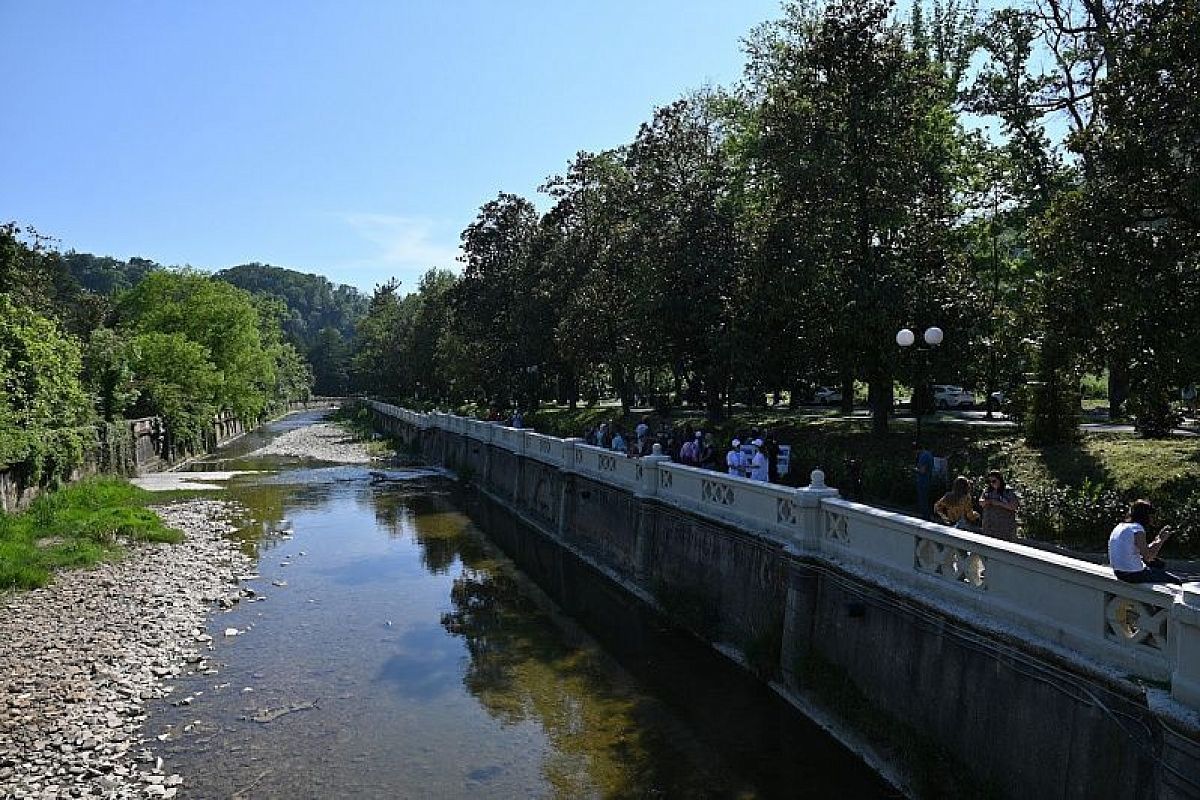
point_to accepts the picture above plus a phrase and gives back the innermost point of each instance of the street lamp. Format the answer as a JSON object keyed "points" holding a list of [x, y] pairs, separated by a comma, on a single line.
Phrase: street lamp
{"points": [[906, 338]]}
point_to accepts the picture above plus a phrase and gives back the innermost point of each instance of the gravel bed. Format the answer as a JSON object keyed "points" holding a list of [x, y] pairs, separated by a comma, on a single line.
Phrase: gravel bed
{"points": [[80, 658], [322, 441]]}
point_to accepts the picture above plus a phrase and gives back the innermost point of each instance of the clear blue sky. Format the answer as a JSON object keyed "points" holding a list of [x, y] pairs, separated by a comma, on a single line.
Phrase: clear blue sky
{"points": [[353, 139]]}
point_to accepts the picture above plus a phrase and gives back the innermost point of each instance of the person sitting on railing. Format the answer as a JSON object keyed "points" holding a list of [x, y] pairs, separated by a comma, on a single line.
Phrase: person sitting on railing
{"points": [[1131, 558], [956, 508]]}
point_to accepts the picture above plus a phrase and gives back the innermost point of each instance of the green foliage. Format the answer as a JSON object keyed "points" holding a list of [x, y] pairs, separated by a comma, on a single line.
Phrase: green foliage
{"points": [[311, 303], [108, 362], [43, 407], [39, 371], [218, 317], [74, 527], [179, 383], [105, 275]]}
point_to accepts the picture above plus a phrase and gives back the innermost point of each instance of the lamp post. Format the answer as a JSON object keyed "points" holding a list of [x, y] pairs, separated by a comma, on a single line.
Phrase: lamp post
{"points": [[907, 339]]}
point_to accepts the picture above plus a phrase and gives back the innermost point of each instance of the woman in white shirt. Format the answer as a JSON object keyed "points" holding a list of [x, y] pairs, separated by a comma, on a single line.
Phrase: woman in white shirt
{"points": [[1131, 558], [734, 461], [760, 466]]}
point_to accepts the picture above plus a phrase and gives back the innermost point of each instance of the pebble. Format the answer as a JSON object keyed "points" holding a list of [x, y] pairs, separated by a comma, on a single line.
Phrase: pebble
{"points": [[83, 655], [324, 441]]}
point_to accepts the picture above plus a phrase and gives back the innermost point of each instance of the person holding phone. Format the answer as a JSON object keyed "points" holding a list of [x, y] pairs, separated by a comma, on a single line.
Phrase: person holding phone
{"points": [[1133, 560], [1000, 505]]}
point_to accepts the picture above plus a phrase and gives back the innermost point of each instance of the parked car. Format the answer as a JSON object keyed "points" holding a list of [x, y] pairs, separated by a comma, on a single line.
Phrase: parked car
{"points": [[947, 396], [827, 396]]}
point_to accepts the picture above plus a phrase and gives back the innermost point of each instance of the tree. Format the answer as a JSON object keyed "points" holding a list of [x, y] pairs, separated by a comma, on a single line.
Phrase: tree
{"points": [[1127, 241], [42, 402], [329, 357], [222, 319], [39, 371], [108, 364], [178, 382], [495, 310], [859, 135]]}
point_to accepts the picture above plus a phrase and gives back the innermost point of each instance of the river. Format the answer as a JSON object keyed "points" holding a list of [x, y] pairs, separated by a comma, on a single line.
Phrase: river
{"points": [[398, 653]]}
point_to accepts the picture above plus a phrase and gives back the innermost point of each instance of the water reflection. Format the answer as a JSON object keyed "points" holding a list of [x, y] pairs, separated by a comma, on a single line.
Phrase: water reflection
{"points": [[438, 670]]}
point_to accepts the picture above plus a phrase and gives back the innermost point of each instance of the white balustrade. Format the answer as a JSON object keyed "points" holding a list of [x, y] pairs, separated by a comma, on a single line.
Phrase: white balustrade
{"points": [[1066, 601], [547, 449], [752, 505], [1024, 592], [511, 439]]}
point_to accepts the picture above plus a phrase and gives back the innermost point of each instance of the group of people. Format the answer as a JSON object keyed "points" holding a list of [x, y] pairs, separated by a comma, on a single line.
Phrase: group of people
{"points": [[758, 465], [694, 447], [993, 513], [1133, 556]]}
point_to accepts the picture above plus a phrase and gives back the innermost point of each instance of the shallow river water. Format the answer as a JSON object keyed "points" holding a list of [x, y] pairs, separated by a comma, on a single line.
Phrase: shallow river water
{"points": [[413, 659]]}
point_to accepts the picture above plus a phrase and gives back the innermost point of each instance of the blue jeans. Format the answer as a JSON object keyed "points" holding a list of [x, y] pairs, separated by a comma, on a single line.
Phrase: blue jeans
{"points": [[1155, 572]]}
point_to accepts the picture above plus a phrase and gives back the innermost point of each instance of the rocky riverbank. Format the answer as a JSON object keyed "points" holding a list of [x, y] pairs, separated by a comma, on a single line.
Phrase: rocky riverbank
{"points": [[323, 441], [80, 658]]}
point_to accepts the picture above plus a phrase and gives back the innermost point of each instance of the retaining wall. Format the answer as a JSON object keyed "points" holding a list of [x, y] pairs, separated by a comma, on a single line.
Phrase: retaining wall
{"points": [[1041, 676]]}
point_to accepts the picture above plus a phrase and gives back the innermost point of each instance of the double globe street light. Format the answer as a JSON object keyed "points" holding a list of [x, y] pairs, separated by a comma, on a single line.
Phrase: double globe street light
{"points": [[906, 338]]}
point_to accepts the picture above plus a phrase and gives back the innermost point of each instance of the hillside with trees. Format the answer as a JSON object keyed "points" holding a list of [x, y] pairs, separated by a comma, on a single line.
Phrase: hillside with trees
{"points": [[87, 341], [320, 316]]}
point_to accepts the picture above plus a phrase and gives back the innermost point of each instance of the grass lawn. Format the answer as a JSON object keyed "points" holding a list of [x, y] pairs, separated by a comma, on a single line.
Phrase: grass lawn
{"points": [[76, 526], [1073, 490]]}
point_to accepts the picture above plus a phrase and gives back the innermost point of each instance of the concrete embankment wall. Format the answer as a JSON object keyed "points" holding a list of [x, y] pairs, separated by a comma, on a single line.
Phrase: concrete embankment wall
{"points": [[928, 687], [139, 446]]}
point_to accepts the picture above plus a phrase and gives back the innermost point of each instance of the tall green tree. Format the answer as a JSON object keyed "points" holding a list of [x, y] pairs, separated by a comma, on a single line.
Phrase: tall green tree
{"points": [[222, 319], [860, 134]]}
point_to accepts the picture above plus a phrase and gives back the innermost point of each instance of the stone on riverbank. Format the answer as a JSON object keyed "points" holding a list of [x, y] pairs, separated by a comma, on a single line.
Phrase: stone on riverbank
{"points": [[79, 659], [323, 441]]}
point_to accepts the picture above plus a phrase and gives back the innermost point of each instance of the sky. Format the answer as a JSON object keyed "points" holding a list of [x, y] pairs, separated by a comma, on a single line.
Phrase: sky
{"points": [[354, 139]]}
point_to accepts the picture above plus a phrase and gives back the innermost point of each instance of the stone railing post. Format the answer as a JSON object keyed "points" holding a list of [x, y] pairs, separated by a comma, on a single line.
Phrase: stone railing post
{"points": [[809, 500], [643, 542], [567, 485], [1185, 630], [568, 452], [648, 478]]}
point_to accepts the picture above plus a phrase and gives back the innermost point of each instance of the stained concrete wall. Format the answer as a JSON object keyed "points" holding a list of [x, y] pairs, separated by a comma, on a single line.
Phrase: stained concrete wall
{"points": [[1014, 719]]}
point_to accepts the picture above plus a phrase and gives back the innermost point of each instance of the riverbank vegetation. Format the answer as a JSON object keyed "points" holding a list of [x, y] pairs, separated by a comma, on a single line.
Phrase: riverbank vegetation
{"points": [[77, 526], [87, 342], [876, 168]]}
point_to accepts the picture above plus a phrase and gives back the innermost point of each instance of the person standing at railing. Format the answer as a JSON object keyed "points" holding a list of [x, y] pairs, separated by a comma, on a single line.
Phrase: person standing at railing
{"points": [[956, 508], [760, 466], [924, 472], [735, 460], [1000, 505], [1132, 559]]}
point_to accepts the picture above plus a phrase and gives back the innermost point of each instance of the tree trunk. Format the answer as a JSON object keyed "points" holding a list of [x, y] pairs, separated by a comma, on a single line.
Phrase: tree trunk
{"points": [[1118, 387], [881, 410], [847, 392]]}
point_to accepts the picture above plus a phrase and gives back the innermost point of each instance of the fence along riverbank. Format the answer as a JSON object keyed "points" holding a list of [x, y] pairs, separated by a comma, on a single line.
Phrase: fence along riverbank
{"points": [[962, 619]]}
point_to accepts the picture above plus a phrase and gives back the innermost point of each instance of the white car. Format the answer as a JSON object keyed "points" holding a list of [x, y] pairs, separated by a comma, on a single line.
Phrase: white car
{"points": [[827, 396], [946, 396]]}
